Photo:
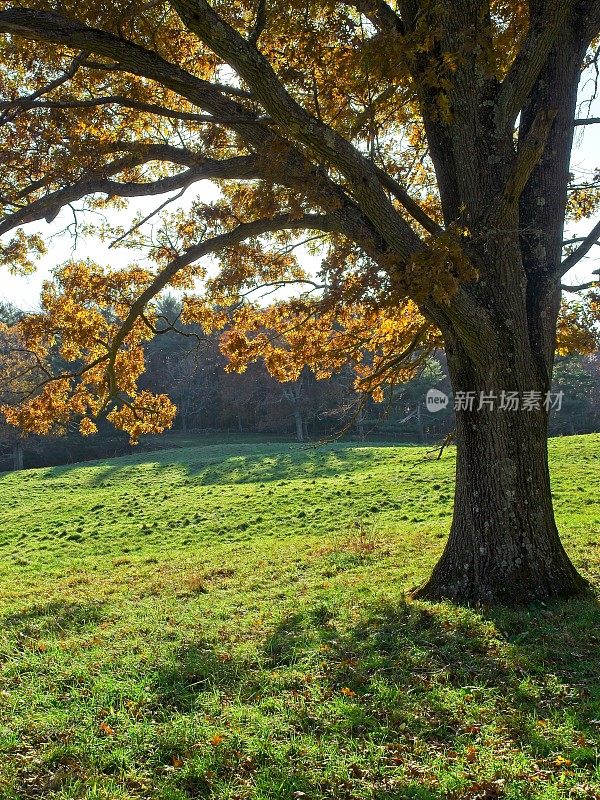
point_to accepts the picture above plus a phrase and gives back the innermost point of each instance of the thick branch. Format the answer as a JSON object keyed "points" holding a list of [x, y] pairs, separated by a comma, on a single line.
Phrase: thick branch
{"points": [[242, 167], [531, 149], [258, 73], [129, 57], [373, 223]]}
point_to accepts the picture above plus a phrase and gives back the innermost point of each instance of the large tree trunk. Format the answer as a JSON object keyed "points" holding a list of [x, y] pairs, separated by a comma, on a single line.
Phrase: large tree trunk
{"points": [[504, 545]]}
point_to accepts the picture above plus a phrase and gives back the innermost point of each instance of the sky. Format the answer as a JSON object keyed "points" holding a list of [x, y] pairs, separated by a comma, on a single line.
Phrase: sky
{"points": [[24, 291]]}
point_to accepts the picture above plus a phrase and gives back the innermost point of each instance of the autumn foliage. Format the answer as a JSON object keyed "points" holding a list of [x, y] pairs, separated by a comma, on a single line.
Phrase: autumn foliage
{"points": [[313, 119]]}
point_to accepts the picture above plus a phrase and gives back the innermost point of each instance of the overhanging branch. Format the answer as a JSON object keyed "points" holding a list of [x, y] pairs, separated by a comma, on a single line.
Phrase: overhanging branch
{"points": [[292, 167], [44, 26], [30, 100], [213, 245], [124, 102], [240, 168]]}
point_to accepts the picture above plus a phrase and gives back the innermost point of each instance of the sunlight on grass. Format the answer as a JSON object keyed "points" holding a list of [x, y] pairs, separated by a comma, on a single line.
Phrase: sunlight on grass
{"points": [[232, 622]]}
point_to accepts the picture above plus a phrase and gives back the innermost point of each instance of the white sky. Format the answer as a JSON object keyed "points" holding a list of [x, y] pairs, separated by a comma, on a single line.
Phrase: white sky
{"points": [[24, 291]]}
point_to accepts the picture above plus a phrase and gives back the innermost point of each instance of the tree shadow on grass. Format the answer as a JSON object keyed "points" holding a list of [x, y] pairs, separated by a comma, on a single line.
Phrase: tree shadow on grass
{"points": [[235, 464], [197, 669], [52, 618], [417, 684]]}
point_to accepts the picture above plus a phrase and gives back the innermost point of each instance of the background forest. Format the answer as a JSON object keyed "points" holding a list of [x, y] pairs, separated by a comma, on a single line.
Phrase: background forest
{"points": [[212, 400]]}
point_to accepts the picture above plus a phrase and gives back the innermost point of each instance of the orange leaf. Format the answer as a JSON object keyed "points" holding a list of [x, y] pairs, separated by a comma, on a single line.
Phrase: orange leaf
{"points": [[105, 728], [471, 754], [562, 762]]}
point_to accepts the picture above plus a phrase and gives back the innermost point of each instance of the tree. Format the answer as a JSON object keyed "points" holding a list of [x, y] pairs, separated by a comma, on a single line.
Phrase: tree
{"points": [[423, 150], [9, 314], [16, 370]]}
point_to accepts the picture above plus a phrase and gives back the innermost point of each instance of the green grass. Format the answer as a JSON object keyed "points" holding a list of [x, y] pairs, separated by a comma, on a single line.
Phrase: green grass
{"points": [[232, 622]]}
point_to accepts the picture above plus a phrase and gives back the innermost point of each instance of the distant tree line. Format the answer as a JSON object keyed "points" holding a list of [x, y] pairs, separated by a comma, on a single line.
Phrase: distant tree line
{"points": [[189, 365]]}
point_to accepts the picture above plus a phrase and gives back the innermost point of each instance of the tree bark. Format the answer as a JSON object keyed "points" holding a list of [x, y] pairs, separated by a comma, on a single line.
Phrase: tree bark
{"points": [[504, 545]]}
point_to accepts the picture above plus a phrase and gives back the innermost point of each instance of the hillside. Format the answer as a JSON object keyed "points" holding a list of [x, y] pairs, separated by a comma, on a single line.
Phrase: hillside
{"points": [[231, 622]]}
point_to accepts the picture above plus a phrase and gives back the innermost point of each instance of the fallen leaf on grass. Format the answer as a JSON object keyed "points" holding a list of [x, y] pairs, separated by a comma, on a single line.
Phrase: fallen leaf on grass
{"points": [[560, 761], [471, 754], [106, 729]]}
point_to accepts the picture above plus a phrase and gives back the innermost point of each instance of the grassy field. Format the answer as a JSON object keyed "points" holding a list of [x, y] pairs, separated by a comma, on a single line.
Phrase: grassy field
{"points": [[231, 622]]}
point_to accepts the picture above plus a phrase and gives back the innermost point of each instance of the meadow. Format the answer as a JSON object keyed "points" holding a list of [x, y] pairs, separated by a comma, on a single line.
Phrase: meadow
{"points": [[233, 621]]}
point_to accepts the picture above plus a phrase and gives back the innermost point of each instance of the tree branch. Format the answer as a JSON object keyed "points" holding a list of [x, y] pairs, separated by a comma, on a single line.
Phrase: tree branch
{"points": [[239, 168], [258, 73], [367, 115], [582, 286], [413, 208], [576, 239], [30, 100], [584, 248], [260, 23], [147, 218], [374, 225], [124, 102], [128, 57], [145, 151], [531, 149], [215, 244]]}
